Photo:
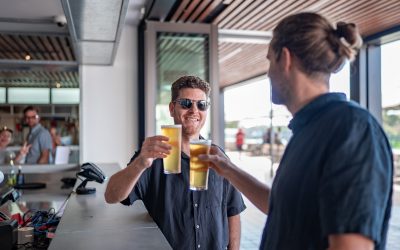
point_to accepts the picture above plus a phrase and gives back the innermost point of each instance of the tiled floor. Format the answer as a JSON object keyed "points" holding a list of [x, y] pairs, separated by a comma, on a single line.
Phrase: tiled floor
{"points": [[253, 220]]}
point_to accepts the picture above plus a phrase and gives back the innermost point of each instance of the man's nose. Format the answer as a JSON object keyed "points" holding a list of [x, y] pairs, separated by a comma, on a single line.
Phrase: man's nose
{"points": [[194, 107]]}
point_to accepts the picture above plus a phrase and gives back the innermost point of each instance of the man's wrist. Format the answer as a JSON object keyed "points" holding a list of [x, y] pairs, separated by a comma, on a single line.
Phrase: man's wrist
{"points": [[138, 163]]}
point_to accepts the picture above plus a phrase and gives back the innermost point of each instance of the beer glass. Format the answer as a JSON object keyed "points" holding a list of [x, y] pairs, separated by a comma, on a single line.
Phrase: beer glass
{"points": [[198, 170], [172, 163]]}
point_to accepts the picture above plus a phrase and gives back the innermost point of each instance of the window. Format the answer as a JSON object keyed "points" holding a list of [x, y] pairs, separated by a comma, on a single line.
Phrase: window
{"points": [[65, 96], [2, 95], [179, 54], [390, 84], [340, 82], [29, 95]]}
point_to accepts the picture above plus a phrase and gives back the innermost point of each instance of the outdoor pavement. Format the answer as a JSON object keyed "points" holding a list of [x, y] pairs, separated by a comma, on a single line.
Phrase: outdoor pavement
{"points": [[253, 220]]}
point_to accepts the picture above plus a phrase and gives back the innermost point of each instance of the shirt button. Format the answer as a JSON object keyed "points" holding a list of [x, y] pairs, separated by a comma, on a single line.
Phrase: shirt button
{"points": [[197, 226], [198, 246], [195, 205]]}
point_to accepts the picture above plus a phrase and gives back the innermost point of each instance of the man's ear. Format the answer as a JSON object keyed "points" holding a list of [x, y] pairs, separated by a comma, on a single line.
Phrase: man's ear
{"points": [[286, 59], [171, 109]]}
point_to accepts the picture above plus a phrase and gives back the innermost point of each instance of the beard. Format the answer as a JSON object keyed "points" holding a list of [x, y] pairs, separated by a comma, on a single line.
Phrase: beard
{"points": [[276, 97], [280, 93]]}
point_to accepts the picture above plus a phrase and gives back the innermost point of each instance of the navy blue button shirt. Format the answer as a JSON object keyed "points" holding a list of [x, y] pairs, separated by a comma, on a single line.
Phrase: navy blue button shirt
{"points": [[335, 177], [188, 219]]}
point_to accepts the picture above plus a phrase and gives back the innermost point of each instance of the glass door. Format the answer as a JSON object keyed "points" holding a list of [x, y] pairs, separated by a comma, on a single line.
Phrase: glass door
{"points": [[172, 51]]}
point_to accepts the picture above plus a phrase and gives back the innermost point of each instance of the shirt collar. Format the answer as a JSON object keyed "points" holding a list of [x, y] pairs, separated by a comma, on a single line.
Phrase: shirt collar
{"points": [[307, 113], [34, 129]]}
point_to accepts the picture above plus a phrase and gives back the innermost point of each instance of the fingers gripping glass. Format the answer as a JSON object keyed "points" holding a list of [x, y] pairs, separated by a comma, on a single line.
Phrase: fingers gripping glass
{"points": [[202, 105]]}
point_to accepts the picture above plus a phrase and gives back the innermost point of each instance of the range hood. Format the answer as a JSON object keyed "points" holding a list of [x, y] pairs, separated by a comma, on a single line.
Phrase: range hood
{"points": [[95, 28]]}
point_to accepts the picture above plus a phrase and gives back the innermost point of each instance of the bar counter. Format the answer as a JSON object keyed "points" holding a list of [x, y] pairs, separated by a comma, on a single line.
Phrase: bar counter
{"points": [[88, 222]]}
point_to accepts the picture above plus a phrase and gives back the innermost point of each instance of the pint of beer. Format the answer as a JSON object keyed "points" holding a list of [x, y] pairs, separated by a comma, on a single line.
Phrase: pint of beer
{"points": [[172, 163], [198, 170]]}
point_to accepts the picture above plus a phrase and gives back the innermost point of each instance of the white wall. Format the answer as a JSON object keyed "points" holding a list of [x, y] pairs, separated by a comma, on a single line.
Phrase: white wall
{"points": [[108, 108]]}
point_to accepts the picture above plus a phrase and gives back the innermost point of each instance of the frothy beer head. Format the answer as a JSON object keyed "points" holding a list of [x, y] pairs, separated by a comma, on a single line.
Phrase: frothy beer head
{"points": [[201, 142], [198, 147]]}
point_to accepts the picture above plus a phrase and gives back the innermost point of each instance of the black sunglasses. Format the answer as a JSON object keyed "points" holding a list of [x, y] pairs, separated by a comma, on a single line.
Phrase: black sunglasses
{"points": [[202, 105]]}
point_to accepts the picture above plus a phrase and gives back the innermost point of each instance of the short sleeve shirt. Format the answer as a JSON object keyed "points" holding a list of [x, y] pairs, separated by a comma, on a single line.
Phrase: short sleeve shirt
{"points": [[335, 177], [4, 156], [40, 139], [188, 219]]}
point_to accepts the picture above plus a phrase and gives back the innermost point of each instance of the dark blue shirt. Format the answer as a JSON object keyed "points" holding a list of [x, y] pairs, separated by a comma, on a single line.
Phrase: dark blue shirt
{"points": [[188, 219], [335, 177]]}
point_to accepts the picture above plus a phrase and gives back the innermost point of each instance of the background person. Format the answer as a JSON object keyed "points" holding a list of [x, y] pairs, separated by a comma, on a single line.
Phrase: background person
{"points": [[188, 219], [333, 189], [55, 139], [39, 138], [5, 140], [6, 136], [240, 141]]}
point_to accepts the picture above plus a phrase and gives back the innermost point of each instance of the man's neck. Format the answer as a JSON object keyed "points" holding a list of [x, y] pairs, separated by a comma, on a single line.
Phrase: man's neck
{"points": [[304, 92]]}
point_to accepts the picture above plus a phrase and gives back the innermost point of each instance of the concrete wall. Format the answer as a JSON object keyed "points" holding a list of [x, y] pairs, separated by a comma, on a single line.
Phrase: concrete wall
{"points": [[108, 109]]}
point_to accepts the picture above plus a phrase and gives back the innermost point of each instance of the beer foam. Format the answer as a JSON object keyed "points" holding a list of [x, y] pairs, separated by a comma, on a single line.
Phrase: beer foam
{"points": [[200, 142], [172, 126]]}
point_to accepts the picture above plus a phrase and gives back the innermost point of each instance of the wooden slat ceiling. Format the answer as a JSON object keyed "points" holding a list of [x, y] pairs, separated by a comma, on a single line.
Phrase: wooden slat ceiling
{"points": [[243, 61], [49, 48], [39, 79]]}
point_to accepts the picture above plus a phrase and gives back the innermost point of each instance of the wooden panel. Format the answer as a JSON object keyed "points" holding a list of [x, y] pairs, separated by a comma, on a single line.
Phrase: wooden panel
{"points": [[11, 47], [208, 10], [203, 5], [188, 10], [257, 13], [233, 7], [180, 10], [240, 12], [43, 79], [296, 7]]}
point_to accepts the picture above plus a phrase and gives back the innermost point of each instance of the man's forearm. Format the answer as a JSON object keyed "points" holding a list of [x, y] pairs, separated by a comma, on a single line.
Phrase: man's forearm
{"points": [[121, 183], [234, 232], [256, 191], [44, 157], [350, 241]]}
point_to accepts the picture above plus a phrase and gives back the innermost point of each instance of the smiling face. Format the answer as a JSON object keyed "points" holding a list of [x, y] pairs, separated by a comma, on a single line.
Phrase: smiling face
{"points": [[5, 138], [192, 119]]}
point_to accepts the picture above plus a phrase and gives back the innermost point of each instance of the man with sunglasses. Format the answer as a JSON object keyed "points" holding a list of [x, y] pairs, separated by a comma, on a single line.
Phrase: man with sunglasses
{"points": [[188, 219], [39, 138]]}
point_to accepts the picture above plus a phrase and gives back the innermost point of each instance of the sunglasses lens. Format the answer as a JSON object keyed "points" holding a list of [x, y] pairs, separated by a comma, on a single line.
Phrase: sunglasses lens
{"points": [[202, 105], [185, 103]]}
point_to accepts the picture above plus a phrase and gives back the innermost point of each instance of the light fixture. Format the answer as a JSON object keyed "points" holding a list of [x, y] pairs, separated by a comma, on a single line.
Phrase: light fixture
{"points": [[244, 36], [27, 57], [58, 85]]}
